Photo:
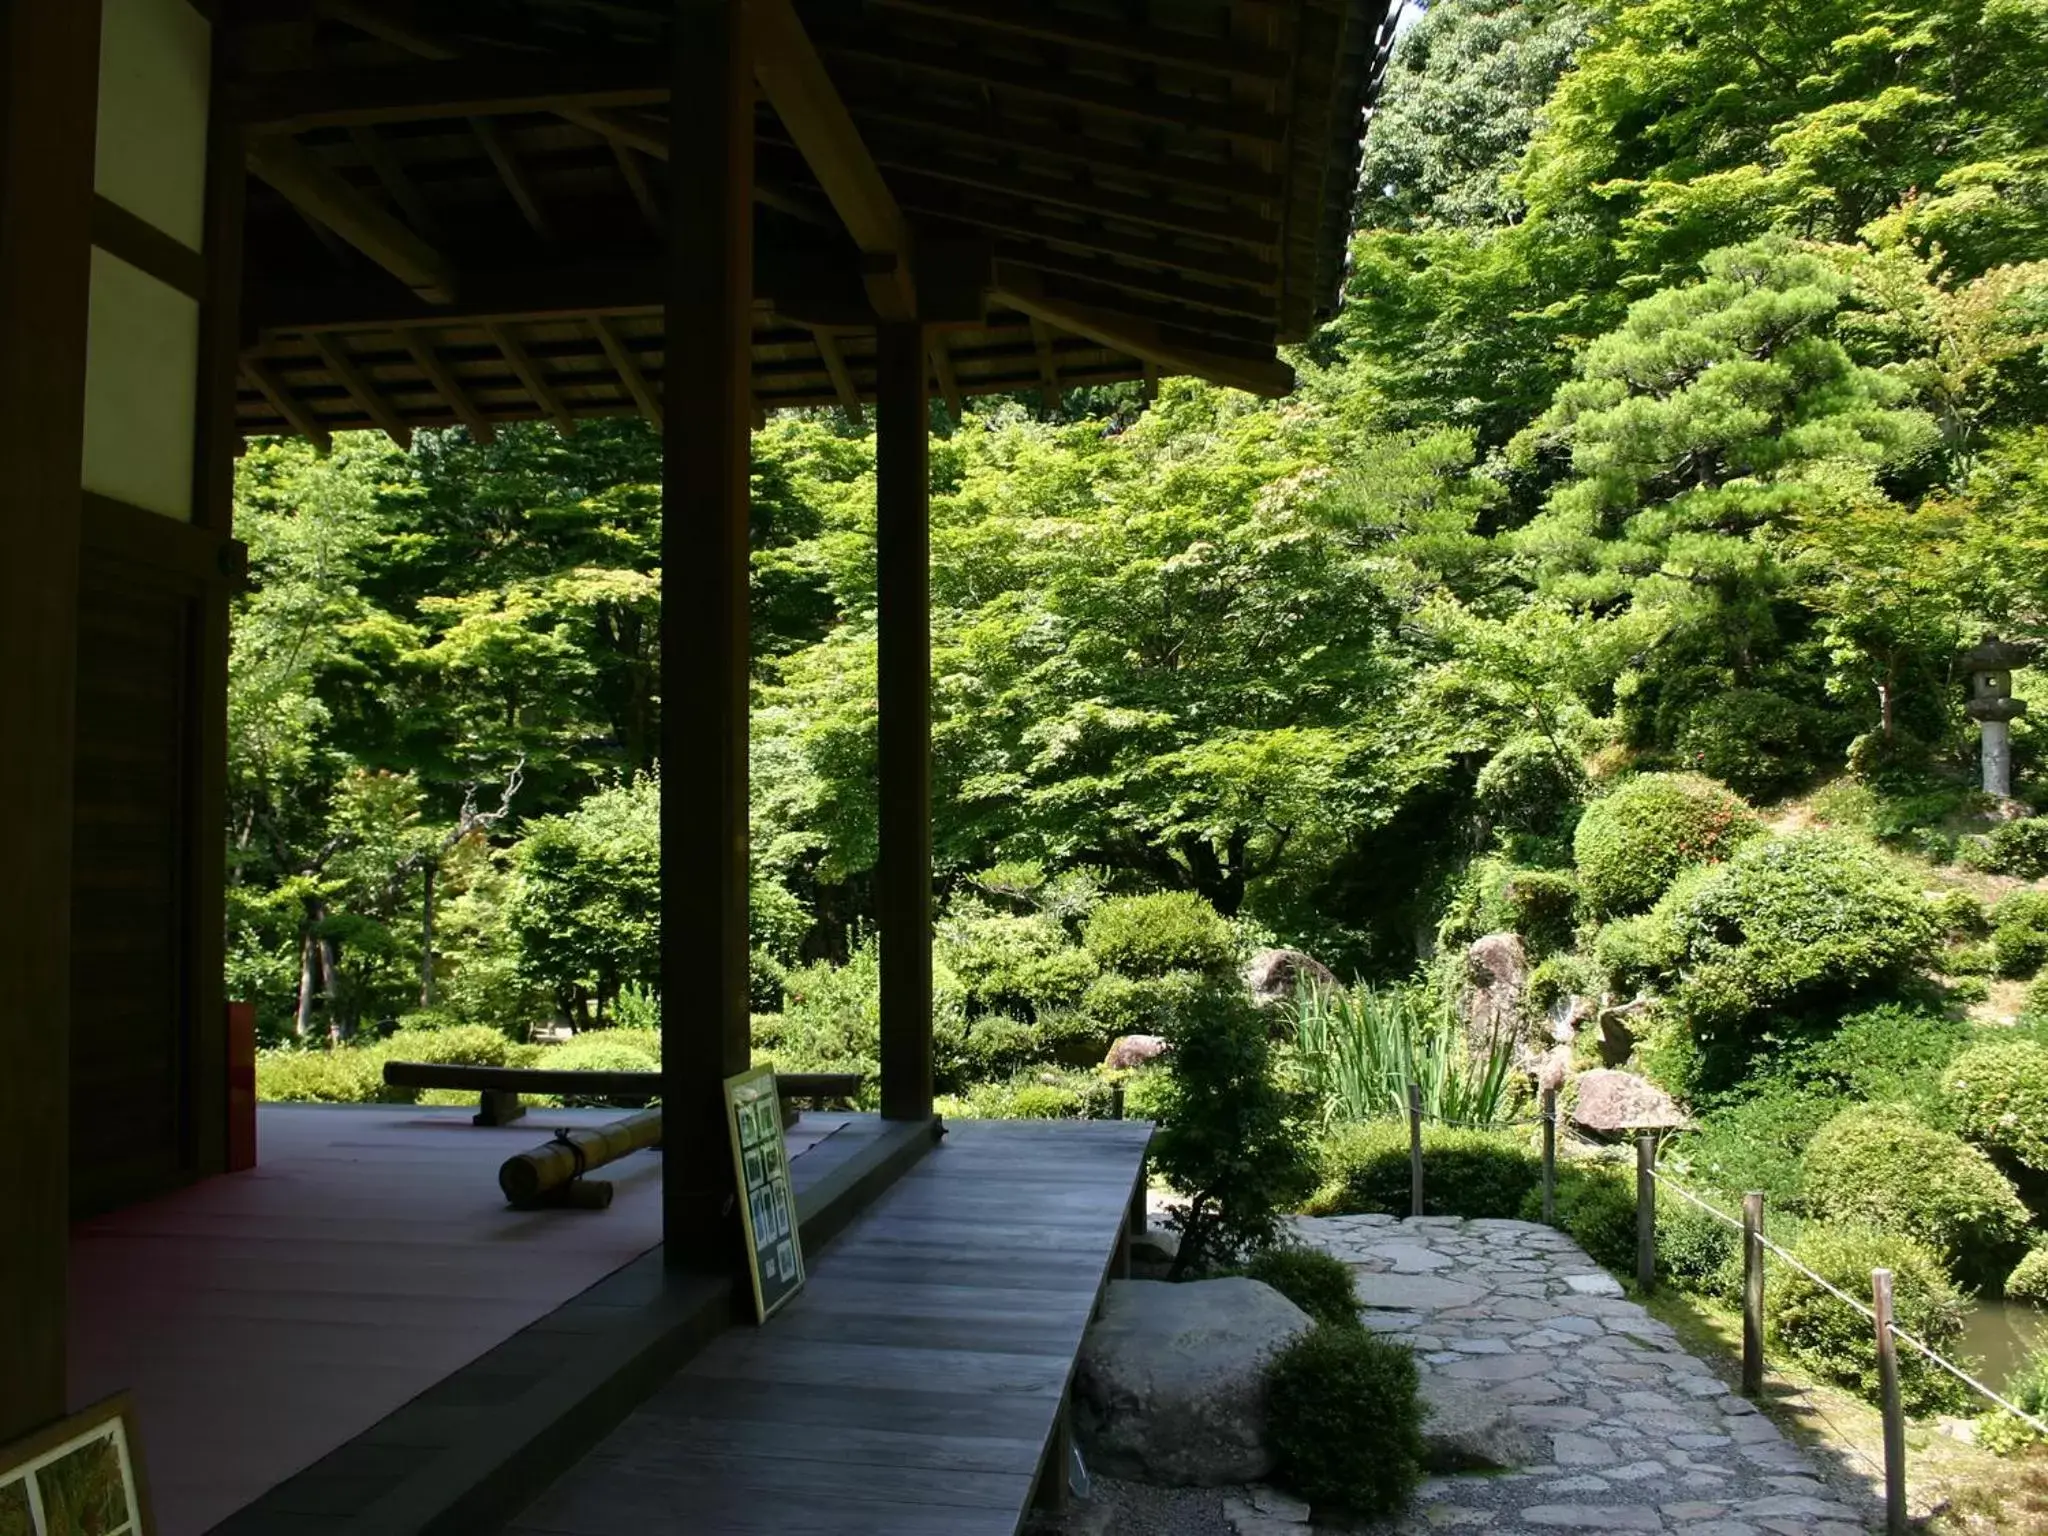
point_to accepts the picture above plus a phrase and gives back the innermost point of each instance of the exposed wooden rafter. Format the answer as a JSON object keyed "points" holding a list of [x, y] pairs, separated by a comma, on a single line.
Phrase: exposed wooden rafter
{"points": [[377, 155], [1150, 45], [634, 174], [496, 85], [437, 373], [627, 367], [794, 79], [322, 194], [948, 376], [531, 379], [842, 379], [387, 25], [365, 394], [1048, 370], [491, 135], [286, 404]]}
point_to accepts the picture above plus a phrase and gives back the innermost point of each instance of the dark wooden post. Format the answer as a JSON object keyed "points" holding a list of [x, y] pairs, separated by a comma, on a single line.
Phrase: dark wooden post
{"points": [[903, 897], [49, 90], [1646, 1209], [709, 391], [1550, 1155], [1753, 1294], [1888, 1397], [1414, 1149]]}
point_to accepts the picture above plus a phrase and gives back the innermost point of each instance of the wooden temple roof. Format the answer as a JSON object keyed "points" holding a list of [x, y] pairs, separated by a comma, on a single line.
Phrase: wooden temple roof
{"points": [[455, 207]]}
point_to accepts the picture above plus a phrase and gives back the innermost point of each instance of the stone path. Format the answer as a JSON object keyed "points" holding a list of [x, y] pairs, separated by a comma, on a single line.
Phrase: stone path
{"points": [[1628, 1431]]}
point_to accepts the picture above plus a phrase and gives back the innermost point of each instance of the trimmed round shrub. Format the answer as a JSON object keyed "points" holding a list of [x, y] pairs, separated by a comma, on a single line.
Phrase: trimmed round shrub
{"points": [[1631, 844], [2018, 848], [1344, 1420], [469, 1045], [1837, 1342], [1999, 1092], [1634, 953], [1748, 738], [344, 1075], [1759, 1142], [1152, 935], [1013, 965], [1596, 1204], [2019, 933], [1495, 896], [1140, 1005], [1877, 1166], [600, 1050], [1314, 1281], [2028, 1281], [1697, 1252], [2004, 1433], [1528, 786], [1469, 1173], [1560, 977]]}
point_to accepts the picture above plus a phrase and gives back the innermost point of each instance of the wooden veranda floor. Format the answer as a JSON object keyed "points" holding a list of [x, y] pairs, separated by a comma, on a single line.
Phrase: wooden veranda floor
{"points": [[913, 1386], [264, 1318]]}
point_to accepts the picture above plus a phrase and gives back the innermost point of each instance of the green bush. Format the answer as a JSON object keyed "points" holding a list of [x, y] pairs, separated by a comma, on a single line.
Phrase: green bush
{"points": [[1314, 1281], [1760, 1142], [1596, 1204], [1636, 953], [2019, 933], [1139, 1005], [2019, 848], [1697, 1252], [2026, 1389], [1559, 977], [1015, 965], [1230, 1138], [1969, 960], [1528, 786], [1792, 924], [345, 1075], [1877, 1166], [469, 1045], [1749, 739], [1152, 935], [1893, 1052], [1042, 1095], [1999, 1093], [1365, 1169], [1836, 1342], [2028, 1281], [1960, 914], [1633, 842], [1344, 1420], [831, 1018]]}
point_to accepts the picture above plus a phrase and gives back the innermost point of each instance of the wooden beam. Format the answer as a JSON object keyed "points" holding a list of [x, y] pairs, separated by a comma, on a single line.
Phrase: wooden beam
{"points": [[361, 390], [835, 367], [795, 81], [377, 155], [421, 345], [286, 404], [498, 85], [1048, 372], [632, 131], [530, 378], [635, 177], [1151, 382], [628, 369], [903, 681], [49, 82], [325, 196], [385, 24], [704, 638], [1144, 339], [949, 381], [512, 174], [1150, 45]]}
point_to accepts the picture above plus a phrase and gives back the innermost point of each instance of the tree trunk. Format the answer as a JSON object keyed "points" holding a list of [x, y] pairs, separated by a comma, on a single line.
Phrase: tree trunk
{"points": [[330, 988], [303, 1024], [427, 937]]}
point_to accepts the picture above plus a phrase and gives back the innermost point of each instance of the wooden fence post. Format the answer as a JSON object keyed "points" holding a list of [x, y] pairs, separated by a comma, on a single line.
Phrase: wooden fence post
{"points": [[1894, 1414], [1550, 1156], [1752, 1294], [1414, 1149], [1646, 1210]]}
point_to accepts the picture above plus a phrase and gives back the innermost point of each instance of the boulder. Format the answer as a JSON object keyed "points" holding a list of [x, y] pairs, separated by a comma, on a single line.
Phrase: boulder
{"points": [[1171, 1385], [1496, 982], [1466, 1430], [1134, 1050], [1611, 1102], [1275, 975]]}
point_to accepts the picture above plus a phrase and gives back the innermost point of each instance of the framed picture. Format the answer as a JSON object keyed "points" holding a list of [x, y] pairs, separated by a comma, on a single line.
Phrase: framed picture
{"points": [[79, 1477], [750, 1132], [753, 1167], [760, 1160]]}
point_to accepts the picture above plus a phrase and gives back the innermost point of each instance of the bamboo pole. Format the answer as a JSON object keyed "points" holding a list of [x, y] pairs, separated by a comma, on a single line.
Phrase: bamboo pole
{"points": [[1753, 1294], [1550, 1156], [1894, 1413], [532, 1176], [1414, 1149], [1646, 1210]]}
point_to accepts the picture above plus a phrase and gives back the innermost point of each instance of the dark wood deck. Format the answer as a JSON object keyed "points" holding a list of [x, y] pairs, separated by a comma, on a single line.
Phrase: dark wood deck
{"points": [[265, 1318], [913, 1386]]}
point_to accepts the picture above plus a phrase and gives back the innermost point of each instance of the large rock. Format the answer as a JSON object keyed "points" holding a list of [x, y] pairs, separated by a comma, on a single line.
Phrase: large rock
{"points": [[1466, 1430], [1171, 1386], [1496, 982], [1128, 1051], [1275, 975], [1612, 1102]]}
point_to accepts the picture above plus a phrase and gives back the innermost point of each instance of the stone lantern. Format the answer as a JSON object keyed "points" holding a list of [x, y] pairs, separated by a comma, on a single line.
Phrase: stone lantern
{"points": [[1989, 666]]}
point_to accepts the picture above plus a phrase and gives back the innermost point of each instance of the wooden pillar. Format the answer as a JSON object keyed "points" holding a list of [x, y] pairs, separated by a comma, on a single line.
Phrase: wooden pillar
{"points": [[49, 73], [708, 418], [903, 693]]}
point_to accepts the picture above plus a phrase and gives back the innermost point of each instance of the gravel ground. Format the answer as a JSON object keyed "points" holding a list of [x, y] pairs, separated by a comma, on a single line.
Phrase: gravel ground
{"points": [[1117, 1508]]}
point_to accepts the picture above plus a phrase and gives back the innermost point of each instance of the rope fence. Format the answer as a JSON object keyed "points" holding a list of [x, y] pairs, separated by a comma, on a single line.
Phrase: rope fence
{"points": [[1756, 1247]]}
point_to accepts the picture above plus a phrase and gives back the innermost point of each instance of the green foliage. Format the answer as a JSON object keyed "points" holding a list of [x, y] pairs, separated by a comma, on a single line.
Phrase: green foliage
{"points": [[1495, 896], [2026, 1389], [1878, 1167], [1750, 739], [2028, 1281], [1557, 977], [1632, 842], [1999, 1095], [1837, 1343], [1697, 1252], [1759, 1142], [1529, 785], [1148, 936], [1020, 966], [341, 1076], [1596, 1204], [1365, 1169], [1360, 1049], [1034, 1095], [1139, 1005], [1229, 1136], [1318, 1283], [1344, 1420], [2019, 933], [2019, 848]]}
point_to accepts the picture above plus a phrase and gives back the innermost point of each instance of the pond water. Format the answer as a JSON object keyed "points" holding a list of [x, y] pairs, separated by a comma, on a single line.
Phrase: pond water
{"points": [[2001, 1334]]}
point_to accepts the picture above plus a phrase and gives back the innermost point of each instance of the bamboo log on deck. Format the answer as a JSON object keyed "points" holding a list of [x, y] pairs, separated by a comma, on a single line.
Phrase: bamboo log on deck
{"points": [[531, 1176]]}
